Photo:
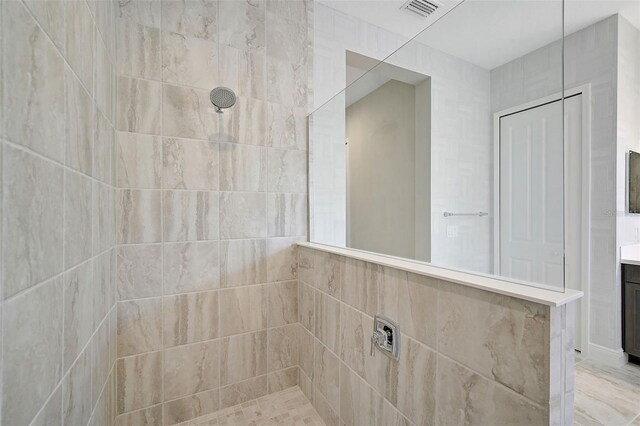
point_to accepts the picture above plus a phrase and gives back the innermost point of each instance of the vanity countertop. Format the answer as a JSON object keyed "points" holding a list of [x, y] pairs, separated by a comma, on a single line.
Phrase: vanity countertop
{"points": [[630, 255]]}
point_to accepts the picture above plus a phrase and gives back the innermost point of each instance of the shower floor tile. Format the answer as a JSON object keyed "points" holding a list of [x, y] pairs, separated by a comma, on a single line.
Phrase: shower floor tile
{"points": [[287, 407]]}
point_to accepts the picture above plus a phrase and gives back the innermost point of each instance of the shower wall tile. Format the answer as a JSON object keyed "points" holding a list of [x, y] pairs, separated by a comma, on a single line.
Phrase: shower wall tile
{"points": [[243, 309], [138, 161], [242, 167], [196, 405], [326, 374], [50, 15], [243, 70], [290, 43], [242, 357], [104, 74], [361, 281], [104, 219], [286, 215], [145, 12], [327, 412], [327, 321], [138, 105], [191, 18], [286, 127], [190, 215], [139, 382], [32, 243], [139, 51], [103, 144], [79, 125], [285, 83], [139, 326], [76, 392], [190, 267], [359, 404], [190, 164], [287, 170], [191, 369], [243, 391], [138, 216], [243, 262], [79, 50], [244, 123], [283, 303], [100, 361], [78, 310], [77, 218], [282, 379], [282, 264], [189, 61], [242, 215], [306, 352], [34, 86], [306, 305], [51, 411], [188, 113], [282, 347], [248, 29], [190, 318], [147, 417], [139, 273]]}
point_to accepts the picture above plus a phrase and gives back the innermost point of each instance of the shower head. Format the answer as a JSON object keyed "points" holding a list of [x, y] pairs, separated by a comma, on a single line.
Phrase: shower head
{"points": [[222, 98]]}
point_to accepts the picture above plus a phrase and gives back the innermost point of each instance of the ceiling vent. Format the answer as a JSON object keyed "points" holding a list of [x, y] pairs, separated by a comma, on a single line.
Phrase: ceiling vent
{"points": [[421, 7]]}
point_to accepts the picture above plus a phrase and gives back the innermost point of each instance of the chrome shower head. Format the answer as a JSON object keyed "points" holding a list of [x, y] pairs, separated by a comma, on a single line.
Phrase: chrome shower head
{"points": [[222, 98]]}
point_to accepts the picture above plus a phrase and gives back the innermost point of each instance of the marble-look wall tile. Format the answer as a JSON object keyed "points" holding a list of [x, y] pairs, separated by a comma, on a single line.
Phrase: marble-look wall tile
{"points": [[191, 267], [242, 215], [34, 100], [104, 280], [138, 161], [139, 326], [327, 412], [283, 349], [282, 262], [283, 379], [243, 357], [103, 143], [79, 125], [189, 61], [183, 409], [248, 31], [190, 318], [327, 321], [287, 170], [287, 39], [79, 51], [417, 383], [50, 15], [50, 415], [512, 348], [465, 397], [78, 307], [243, 391], [191, 18], [29, 376], [286, 127], [138, 51], [359, 403], [360, 282], [76, 392], [245, 122], [191, 369], [190, 215], [190, 164], [105, 79], [188, 113], [306, 305], [286, 215], [286, 82], [151, 416], [242, 167], [77, 219], [283, 303], [326, 373], [139, 272], [138, 216], [100, 360], [139, 383], [138, 102], [32, 228], [243, 309], [306, 355], [295, 10], [145, 12], [243, 262], [321, 270], [104, 217], [353, 332]]}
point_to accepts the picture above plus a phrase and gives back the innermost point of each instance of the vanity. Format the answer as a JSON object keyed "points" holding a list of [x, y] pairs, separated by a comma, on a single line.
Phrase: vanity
{"points": [[630, 259]]}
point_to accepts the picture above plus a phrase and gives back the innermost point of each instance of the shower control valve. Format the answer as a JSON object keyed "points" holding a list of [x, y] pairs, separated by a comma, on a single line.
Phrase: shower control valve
{"points": [[386, 337]]}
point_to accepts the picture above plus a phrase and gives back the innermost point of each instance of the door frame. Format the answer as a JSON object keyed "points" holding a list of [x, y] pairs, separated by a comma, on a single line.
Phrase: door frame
{"points": [[585, 275]]}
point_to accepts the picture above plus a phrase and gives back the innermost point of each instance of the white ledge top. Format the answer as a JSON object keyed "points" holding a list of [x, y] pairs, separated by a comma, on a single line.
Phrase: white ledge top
{"points": [[500, 286], [630, 255]]}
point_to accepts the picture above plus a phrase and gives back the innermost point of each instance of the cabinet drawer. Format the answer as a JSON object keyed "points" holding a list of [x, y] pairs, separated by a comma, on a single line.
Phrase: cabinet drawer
{"points": [[631, 318], [631, 273]]}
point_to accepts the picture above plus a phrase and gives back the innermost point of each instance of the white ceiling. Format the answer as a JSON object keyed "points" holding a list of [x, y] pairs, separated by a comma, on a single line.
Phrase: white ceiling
{"points": [[489, 33]]}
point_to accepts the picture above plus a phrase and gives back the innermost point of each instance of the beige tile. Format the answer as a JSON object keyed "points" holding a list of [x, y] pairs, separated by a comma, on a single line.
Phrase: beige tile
{"points": [[283, 303], [307, 352], [465, 397], [138, 102], [321, 270], [360, 282], [34, 100], [190, 164], [287, 82], [243, 309], [139, 271], [242, 167], [138, 161], [191, 18], [286, 127], [78, 310], [104, 270], [417, 382], [190, 215], [76, 392], [104, 217], [151, 416], [79, 117], [138, 51], [79, 51], [243, 262], [29, 320], [326, 373], [282, 262], [248, 31], [145, 12], [286, 215], [50, 15], [512, 348], [283, 379], [190, 318], [188, 113], [190, 267], [189, 61], [32, 243], [78, 218], [105, 77], [354, 331], [138, 216], [245, 122], [103, 143], [139, 326], [305, 384], [327, 321], [191, 369], [242, 215], [243, 391], [283, 347], [327, 413], [286, 170], [51, 414], [306, 306], [183, 409], [243, 357], [100, 359], [139, 383], [359, 403]]}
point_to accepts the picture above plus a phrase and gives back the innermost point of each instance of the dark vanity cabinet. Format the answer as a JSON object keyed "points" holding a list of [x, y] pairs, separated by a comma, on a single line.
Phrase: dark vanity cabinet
{"points": [[631, 311]]}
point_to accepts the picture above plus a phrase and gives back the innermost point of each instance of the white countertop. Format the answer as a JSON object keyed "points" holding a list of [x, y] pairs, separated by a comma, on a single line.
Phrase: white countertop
{"points": [[630, 254], [495, 285]]}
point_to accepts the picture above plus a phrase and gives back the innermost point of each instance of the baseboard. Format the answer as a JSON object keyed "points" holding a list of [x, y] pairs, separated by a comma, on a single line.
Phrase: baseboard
{"points": [[607, 356]]}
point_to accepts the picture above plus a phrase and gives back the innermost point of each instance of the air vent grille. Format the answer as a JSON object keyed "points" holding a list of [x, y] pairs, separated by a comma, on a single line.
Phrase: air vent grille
{"points": [[421, 7]]}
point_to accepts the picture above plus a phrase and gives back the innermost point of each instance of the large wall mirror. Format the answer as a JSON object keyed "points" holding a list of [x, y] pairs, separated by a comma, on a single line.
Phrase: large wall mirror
{"points": [[452, 150]]}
